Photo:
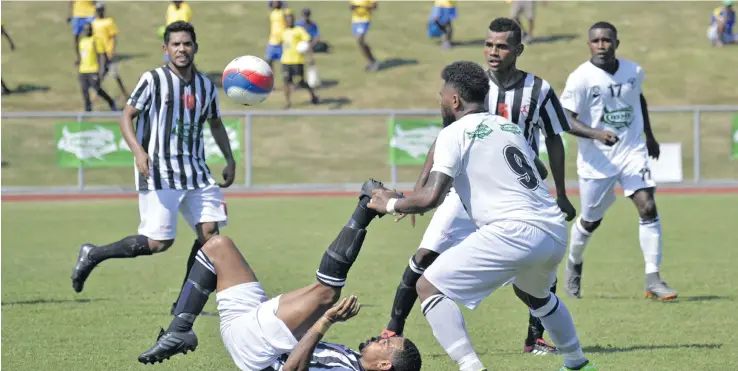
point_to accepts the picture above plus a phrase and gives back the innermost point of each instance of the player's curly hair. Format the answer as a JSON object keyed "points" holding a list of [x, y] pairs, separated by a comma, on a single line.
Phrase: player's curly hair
{"points": [[469, 79], [179, 26], [408, 359], [507, 25]]}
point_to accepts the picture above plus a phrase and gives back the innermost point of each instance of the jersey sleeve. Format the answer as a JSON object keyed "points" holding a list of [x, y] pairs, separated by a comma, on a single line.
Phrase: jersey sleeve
{"points": [[552, 121], [305, 35], [141, 95], [574, 97], [112, 29], [99, 46], [214, 105], [447, 155]]}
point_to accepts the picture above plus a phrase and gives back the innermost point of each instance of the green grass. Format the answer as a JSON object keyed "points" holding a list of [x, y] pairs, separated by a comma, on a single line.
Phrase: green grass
{"points": [[668, 40], [46, 326]]}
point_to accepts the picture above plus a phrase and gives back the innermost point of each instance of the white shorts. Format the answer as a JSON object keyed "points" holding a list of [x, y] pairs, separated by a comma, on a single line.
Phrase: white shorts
{"points": [[494, 255], [159, 208], [449, 226], [252, 334], [597, 195]]}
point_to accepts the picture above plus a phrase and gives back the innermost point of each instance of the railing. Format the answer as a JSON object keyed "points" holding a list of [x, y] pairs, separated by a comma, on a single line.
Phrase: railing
{"points": [[697, 113]]}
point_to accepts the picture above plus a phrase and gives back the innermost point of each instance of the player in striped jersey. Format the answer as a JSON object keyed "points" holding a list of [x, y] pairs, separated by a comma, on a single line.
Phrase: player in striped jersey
{"points": [[530, 102], [170, 105], [283, 333]]}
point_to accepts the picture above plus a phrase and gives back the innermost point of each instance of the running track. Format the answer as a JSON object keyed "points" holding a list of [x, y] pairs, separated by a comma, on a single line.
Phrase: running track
{"points": [[305, 194]]}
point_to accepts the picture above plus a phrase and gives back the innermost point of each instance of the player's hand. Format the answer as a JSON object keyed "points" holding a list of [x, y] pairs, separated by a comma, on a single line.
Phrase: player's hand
{"points": [[607, 137], [379, 199], [402, 216], [229, 175], [344, 310], [654, 149], [142, 163], [566, 207]]}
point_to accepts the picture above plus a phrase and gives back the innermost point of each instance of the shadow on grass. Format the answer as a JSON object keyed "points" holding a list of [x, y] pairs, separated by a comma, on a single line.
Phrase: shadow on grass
{"points": [[51, 301], [396, 62], [635, 348], [125, 57], [27, 88]]}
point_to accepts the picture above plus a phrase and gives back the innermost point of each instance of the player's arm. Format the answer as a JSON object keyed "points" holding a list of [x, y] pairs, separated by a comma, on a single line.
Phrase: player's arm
{"points": [[221, 139], [574, 101], [299, 359], [427, 166], [428, 198], [553, 122], [652, 145]]}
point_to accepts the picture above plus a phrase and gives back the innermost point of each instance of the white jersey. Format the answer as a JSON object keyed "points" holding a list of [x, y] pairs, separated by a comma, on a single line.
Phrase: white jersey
{"points": [[327, 357], [607, 102], [494, 173]]}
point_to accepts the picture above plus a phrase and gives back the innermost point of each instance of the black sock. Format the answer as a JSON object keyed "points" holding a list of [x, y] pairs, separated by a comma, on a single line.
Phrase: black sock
{"points": [[535, 326], [200, 283], [405, 297], [340, 256], [362, 215], [129, 247]]}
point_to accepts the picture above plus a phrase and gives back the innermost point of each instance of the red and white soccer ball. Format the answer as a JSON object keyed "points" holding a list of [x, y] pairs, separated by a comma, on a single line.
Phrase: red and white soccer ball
{"points": [[248, 80]]}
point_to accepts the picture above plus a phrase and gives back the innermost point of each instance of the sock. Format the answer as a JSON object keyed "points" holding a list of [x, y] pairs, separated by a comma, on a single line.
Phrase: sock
{"points": [[556, 318], [449, 328], [200, 283], [129, 247], [535, 327], [578, 241], [362, 215], [405, 297], [651, 243]]}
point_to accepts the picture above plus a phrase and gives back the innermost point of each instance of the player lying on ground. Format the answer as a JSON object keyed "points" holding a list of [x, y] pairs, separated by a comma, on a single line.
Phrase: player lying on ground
{"points": [[282, 333], [521, 235]]}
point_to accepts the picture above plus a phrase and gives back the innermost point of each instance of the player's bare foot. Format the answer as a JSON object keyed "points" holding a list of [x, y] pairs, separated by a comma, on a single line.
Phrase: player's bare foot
{"points": [[540, 347], [83, 268], [574, 279], [657, 288], [169, 344]]}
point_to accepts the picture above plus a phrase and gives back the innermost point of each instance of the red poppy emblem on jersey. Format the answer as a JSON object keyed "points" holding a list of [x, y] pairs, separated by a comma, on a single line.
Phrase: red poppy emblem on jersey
{"points": [[524, 109], [189, 101], [502, 110]]}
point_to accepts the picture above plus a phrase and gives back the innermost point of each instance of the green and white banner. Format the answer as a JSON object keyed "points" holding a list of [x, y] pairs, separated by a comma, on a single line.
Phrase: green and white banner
{"points": [[410, 140], [735, 137], [101, 144]]}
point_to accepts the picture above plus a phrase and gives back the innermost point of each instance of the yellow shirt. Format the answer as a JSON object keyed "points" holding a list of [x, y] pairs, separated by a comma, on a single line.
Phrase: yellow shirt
{"points": [[184, 13], [105, 29], [290, 38], [363, 13], [83, 9], [445, 3], [277, 25], [89, 48]]}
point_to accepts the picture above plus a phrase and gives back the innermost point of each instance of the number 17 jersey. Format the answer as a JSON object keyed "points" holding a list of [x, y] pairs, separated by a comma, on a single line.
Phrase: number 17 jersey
{"points": [[494, 173]]}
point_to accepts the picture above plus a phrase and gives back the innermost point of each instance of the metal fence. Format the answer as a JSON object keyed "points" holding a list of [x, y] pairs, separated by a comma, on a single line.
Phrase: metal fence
{"points": [[663, 123]]}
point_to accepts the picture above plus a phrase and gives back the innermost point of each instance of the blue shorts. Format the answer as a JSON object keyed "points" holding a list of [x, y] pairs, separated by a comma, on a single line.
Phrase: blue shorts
{"points": [[273, 52], [444, 15], [78, 24], [360, 28]]}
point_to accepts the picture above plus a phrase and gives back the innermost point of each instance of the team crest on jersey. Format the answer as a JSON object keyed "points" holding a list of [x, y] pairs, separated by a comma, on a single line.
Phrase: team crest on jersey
{"points": [[619, 118], [632, 82], [511, 128], [595, 91], [480, 132]]}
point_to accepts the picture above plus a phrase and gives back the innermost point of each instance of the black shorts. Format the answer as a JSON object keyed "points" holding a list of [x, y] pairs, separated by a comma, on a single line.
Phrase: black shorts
{"points": [[290, 71], [89, 80]]}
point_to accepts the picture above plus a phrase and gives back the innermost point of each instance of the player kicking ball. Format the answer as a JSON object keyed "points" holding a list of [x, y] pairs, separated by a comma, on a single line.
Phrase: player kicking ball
{"points": [[282, 333], [606, 92], [521, 235]]}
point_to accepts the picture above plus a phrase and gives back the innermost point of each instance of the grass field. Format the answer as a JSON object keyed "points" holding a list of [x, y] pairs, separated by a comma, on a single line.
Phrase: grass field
{"points": [[46, 326], [682, 69]]}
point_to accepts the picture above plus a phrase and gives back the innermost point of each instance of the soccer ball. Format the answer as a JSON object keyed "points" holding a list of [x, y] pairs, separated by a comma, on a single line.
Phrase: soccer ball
{"points": [[248, 80], [303, 47]]}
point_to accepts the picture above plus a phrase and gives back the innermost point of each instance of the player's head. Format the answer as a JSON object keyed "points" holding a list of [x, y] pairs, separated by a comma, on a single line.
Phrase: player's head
{"points": [[100, 9], [503, 45], [276, 4], [177, 3], [289, 20], [603, 40], [396, 353], [87, 30], [465, 86], [728, 4], [306, 13], [180, 44]]}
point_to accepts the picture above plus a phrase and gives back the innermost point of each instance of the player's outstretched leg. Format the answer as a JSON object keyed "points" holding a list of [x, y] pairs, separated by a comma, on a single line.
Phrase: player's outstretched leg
{"points": [[651, 244], [535, 343], [581, 231]]}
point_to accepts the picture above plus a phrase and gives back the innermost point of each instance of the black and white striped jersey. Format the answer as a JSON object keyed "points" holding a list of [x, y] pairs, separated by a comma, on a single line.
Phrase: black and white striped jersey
{"points": [[532, 104], [327, 357], [169, 127]]}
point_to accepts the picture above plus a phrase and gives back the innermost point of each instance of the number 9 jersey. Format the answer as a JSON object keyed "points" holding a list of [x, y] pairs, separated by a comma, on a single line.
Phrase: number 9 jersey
{"points": [[494, 174]]}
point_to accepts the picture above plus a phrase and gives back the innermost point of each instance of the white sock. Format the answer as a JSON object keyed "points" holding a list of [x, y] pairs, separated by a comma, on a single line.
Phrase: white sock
{"points": [[651, 243], [557, 320], [449, 328], [578, 241]]}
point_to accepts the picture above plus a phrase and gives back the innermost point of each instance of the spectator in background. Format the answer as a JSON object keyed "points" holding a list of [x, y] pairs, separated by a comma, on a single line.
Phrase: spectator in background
{"points": [[527, 8], [443, 13], [80, 13], [721, 25], [361, 19], [276, 27], [177, 11], [92, 56], [312, 29], [293, 62], [12, 47], [104, 28]]}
